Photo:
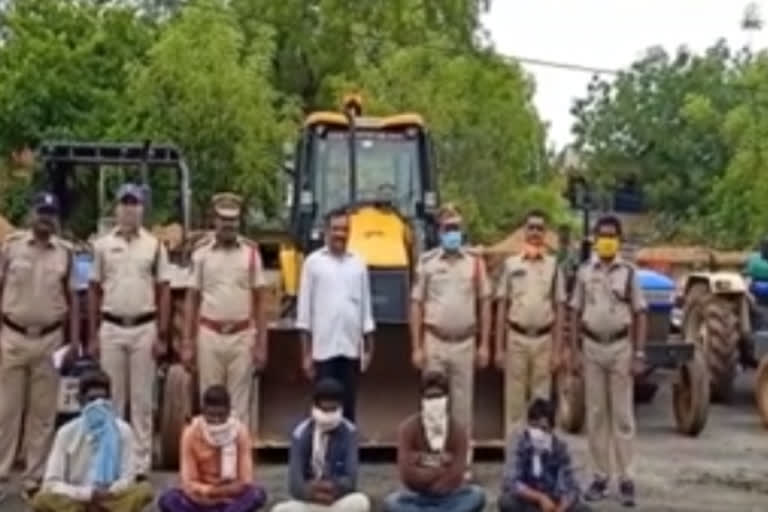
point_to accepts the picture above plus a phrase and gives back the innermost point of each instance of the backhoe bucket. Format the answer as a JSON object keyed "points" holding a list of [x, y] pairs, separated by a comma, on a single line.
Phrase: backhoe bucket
{"points": [[388, 393]]}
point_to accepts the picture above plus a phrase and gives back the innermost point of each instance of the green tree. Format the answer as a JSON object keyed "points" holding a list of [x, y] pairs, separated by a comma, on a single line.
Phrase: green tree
{"points": [[488, 138], [659, 123], [206, 90]]}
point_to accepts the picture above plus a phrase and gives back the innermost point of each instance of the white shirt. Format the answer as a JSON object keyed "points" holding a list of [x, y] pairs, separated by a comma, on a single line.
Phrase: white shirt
{"points": [[335, 304], [69, 462]]}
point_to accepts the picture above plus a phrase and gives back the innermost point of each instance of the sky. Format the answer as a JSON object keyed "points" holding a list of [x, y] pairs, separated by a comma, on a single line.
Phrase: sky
{"points": [[608, 34]]}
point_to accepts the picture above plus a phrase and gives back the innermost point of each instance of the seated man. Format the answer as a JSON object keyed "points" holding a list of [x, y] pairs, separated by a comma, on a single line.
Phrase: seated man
{"points": [[216, 462], [539, 476], [91, 465], [432, 457], [323, 461]]}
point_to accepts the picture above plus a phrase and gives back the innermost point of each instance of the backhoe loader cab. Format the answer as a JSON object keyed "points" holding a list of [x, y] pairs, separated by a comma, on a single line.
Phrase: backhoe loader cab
{"points": [[380, 168]]}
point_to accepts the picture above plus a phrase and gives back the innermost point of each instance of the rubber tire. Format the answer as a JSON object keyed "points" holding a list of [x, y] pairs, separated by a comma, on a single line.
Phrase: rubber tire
{"points": [[176, 410], [761, 389], [571, 406], [691, 396], [645, 391], [722, 348]]}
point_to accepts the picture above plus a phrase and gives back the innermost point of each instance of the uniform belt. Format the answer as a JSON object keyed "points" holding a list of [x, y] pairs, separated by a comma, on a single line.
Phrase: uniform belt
{"points": [[449, 336], [606, 339], [530, 331], [34, 331], [128, 321], [225, 327]]}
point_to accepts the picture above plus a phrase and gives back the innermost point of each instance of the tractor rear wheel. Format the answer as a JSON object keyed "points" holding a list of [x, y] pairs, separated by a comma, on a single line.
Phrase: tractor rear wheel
{"points": [[761, 389], [571, 409], [176, 410], [712, 323], [690, 396]]}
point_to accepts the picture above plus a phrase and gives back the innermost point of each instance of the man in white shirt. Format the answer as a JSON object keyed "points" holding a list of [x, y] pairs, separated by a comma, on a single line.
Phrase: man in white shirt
{"points": [[92, 464], [334, 312]]}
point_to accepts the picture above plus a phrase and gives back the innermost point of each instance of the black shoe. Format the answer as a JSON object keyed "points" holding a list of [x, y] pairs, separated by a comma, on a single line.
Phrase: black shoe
{"points": [[597, 490], [627, 493], [141, 477], [28, 493]]}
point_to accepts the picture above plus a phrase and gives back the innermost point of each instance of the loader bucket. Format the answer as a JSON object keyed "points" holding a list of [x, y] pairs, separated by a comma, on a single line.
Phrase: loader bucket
{"points": [[388, 393]]}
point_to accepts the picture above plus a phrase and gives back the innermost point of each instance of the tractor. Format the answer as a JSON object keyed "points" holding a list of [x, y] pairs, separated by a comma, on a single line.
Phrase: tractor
{"points": [[682, 361]]}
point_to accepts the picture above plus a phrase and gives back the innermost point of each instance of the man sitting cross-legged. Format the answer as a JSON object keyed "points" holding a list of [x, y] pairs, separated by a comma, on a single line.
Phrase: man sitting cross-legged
{"points": [[432, 457], [539, 475], [216, 462], [91, 465], [323, 461]]}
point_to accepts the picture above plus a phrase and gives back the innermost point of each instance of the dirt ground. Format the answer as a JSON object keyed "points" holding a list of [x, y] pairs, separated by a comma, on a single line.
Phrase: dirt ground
{"points": [[723, 470]]}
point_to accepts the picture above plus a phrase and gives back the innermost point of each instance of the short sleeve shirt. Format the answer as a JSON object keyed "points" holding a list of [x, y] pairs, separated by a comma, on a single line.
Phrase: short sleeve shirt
{"points": [[607, 295], [533, 287], [127, 268], [225, 277], [449, 287]]}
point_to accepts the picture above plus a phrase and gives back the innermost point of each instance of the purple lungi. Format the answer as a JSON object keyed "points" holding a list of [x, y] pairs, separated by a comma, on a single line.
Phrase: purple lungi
{"points": [[252, 499]]}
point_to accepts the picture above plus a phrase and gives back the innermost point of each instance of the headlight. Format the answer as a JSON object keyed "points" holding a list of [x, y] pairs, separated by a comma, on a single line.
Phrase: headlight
{"points": [[430, 200], [722, 285], [306, 198]]}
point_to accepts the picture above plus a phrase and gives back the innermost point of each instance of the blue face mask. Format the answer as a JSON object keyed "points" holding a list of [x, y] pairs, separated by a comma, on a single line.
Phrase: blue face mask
{"points": [[451, 240], [97, 413]]}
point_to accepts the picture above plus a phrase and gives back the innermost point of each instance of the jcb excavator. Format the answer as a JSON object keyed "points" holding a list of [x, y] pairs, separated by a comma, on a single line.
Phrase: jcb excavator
{"points": [[382, 170]]}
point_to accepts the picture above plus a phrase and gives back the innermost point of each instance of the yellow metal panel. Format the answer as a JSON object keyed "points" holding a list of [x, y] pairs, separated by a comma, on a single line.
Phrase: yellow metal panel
{"points": [[376, 123], [379, 236], [290, 267]]}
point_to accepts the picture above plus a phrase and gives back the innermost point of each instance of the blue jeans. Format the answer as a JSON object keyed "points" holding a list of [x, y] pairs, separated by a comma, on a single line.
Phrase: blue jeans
{"points": [[470, 498]]}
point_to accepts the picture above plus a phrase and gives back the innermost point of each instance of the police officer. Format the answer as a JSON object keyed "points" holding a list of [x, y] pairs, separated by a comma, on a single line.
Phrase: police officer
{"points": [[609, 313], [35, 299], [226, 325], [530, 307], [128, 302], [451, 286]]}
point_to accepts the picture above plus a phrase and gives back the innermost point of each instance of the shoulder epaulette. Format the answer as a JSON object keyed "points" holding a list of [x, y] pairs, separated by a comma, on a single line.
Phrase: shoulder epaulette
{"points": [[428, 255]]}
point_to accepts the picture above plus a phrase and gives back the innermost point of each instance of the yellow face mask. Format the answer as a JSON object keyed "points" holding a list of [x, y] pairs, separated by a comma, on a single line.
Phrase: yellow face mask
{"points": [[607, 246]]}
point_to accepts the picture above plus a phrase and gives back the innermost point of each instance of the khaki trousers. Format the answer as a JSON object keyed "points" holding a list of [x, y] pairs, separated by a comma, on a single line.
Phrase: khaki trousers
{"points": [[610, 408], [226, 359], [355, 502], [126, 356], [134, 499], [456, 359], [29, 385], [527, 376]]}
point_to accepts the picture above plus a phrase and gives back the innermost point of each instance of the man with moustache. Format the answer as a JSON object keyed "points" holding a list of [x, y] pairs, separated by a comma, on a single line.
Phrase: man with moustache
{"points": [[531, 307], [35, 301], [335, 316], [128, 302], [226, 327]]}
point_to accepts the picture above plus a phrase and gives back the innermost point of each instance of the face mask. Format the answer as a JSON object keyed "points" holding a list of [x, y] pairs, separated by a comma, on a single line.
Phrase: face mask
{"points": [[435, 408], [540, 439], [607, 246], [326, 420], [451, 240], [97, 413]]}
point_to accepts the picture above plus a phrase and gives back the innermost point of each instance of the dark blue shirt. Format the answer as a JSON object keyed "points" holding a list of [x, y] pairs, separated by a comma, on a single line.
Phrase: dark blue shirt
{"points": [[556, 479]]}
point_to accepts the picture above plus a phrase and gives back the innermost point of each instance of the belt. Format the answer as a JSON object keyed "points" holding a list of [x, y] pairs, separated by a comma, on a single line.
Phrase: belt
{"points": [[530, 331], [34, 331], [450, 337], [226, 327], [128, 321], [606, 339]]}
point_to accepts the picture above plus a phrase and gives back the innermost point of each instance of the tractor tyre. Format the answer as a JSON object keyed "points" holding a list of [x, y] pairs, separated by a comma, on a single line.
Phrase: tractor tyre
{"points": [[761, 390], [712, 323], [571, 407], [176, 410], [691, 395]]}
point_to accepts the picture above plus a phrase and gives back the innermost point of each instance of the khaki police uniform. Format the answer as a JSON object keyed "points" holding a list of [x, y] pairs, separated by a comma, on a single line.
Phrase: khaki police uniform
{"points": [[606, 296], [449, 288], [532, 287], [36, 285], [128, 269], [226, 278]]}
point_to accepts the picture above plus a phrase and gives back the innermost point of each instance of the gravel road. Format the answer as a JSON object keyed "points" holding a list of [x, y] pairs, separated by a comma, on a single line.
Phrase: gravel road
{"points": [[723, 470]]}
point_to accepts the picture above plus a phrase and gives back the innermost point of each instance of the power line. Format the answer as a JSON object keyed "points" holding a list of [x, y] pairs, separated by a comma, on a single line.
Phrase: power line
{"points": [[568, 66]]}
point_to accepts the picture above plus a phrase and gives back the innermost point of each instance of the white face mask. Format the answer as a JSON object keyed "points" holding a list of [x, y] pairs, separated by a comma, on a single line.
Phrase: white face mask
{"points": [[434, 407], [540, 439], [326, 420], [434, 417]]}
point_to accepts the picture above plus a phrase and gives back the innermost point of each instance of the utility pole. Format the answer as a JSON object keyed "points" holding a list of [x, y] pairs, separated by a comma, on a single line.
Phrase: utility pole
{"points": [[751, 22]]}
